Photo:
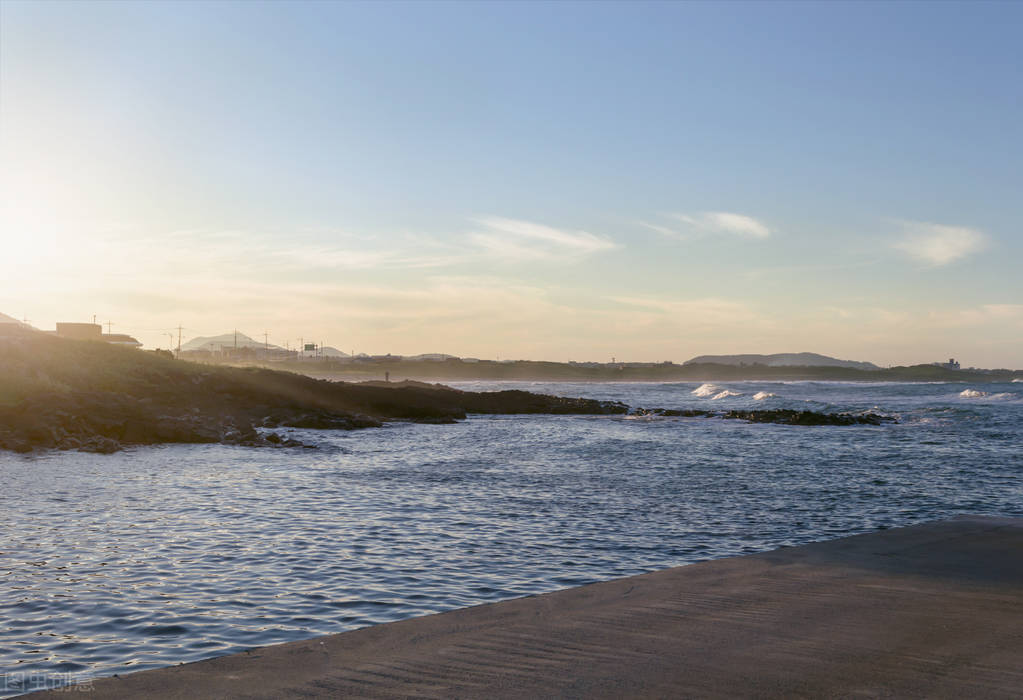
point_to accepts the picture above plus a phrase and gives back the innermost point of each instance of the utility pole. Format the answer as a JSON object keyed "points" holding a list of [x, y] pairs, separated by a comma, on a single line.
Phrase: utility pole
{"points": [[235, 338], [266, 342], [108, 324], [301, 347], [179, 338], [94, 319]]}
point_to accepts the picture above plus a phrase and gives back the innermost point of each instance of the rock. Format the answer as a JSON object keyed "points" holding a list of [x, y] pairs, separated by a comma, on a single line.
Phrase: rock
{"points": [[782, 415], [673, 412], [790, 417], [318, 421], [100, 445]]}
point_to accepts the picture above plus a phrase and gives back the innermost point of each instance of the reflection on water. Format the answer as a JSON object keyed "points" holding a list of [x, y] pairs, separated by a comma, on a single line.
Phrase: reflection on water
{"points": [[163, 555]]}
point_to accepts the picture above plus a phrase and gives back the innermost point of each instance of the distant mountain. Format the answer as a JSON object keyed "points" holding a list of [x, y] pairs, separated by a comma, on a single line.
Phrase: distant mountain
{"points": [[429, 357], [784, 359], [227, 340]]}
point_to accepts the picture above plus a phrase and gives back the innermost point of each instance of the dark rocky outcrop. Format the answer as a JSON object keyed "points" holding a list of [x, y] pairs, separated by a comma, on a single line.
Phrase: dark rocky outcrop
{"points": [[673, 412], [790, 417], [64, 394], [780, 415]]}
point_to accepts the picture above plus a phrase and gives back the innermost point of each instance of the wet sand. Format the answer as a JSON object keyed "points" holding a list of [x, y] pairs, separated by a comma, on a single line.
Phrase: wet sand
{"points": [[934, 610]]}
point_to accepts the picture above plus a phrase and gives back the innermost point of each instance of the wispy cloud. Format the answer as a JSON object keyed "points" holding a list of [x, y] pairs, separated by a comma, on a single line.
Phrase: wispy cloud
{"points": [[936, 244], [725, 222], [513, 239], [661, 229], [313, 257], [509, 240], [708, 311], [1004, 315], [711, 223]]}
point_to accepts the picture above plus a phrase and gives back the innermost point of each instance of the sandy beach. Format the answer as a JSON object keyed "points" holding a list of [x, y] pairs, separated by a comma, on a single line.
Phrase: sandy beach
{"points": [[933, 610]]}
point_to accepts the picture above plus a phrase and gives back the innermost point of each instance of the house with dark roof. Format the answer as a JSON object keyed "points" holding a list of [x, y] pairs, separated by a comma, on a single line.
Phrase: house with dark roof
{"points": [[94, 331]]}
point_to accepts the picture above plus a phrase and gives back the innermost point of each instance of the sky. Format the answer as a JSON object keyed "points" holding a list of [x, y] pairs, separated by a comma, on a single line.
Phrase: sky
{"points": [[563, 181]]}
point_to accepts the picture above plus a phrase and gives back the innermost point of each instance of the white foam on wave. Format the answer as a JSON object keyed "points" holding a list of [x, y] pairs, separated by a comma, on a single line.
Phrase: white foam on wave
{"points": [[725, 394], [1017, 381], [1001, 396], [706, 390], [761, 395]]}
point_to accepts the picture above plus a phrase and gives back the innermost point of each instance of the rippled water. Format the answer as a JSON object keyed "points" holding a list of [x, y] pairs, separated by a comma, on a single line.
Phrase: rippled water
{"points": [[155, 556]]}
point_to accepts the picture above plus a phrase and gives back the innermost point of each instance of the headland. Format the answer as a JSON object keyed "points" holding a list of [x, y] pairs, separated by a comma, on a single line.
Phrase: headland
{"points": [[57, 393], [60, 393]]}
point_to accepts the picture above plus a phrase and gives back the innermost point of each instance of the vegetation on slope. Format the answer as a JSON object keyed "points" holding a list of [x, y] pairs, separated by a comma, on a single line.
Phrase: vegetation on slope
{"points": [[67, 394]]}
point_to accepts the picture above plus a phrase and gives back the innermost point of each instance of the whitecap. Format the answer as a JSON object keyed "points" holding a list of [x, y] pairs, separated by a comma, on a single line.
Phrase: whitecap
{"points": [[972, 394], [725, 394], [706, 389], [761, 395]]}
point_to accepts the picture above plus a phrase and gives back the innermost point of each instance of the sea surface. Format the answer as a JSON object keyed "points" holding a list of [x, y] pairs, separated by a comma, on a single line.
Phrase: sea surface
{"points": [[162, 555]]}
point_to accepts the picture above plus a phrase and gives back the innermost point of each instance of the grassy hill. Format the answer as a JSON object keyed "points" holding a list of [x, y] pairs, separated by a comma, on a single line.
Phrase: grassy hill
{"points": [[67, 394]]}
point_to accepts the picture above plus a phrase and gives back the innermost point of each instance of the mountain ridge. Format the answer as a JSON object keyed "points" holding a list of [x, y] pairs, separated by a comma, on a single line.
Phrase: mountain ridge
{"points": [[781, 359]]}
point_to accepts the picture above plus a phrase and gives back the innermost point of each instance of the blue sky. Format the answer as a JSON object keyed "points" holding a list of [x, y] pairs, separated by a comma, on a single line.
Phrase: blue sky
{"points": [[548, 181]]}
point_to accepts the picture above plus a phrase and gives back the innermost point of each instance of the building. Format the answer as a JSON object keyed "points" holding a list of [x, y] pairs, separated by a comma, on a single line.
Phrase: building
{"points": [[80, 331], [120, 339], [94, 331], [951, 364]]}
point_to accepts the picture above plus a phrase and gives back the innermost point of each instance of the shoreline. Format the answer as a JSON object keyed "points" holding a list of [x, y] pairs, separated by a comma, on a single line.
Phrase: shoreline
{"points": [[928, 610], [396, 374], [65, 394]]}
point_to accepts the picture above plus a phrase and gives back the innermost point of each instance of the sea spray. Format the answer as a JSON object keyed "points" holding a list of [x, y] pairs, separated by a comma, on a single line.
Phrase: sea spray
{"points": [[706, 390]]}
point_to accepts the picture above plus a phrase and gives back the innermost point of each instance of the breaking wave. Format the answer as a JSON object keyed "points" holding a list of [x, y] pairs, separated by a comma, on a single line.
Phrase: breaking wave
{"points": [[725, 394], [975, 394], [706, 390], [761, 395]]}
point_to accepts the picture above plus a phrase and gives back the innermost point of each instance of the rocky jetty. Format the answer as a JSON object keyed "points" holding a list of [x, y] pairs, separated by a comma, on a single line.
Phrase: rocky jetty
{"points": [[64, 394]]}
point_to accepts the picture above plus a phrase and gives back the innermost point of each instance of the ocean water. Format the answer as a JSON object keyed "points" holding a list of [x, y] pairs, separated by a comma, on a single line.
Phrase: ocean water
{"points": [[163, 555]]}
